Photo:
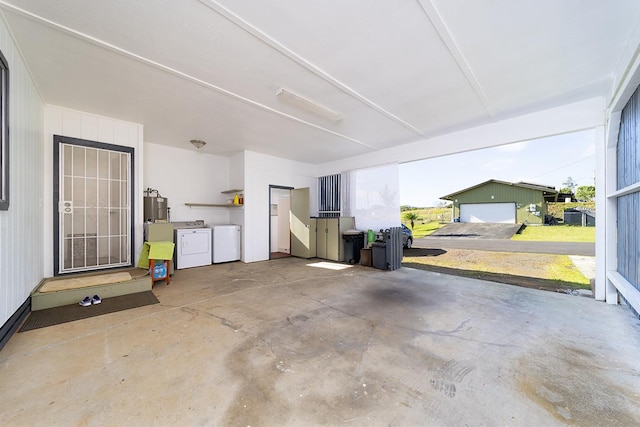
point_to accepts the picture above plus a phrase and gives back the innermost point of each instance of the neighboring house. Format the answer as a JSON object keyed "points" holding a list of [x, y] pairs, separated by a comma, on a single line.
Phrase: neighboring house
{"points": [[496, 201]]}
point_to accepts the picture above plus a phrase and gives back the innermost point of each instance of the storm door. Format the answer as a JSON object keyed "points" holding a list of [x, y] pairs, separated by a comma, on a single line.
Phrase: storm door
{"points": [[92, 205]]}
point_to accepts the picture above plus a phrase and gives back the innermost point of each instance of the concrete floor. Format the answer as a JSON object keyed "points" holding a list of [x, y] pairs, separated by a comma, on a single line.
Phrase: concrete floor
{"points": [[283, 343]]}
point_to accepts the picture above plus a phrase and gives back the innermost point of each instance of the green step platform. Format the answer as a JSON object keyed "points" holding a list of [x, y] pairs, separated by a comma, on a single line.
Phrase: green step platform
{"points": [[56, 292]]}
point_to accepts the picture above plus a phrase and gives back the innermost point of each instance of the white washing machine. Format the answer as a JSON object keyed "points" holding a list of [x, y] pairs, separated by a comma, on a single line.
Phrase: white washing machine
{"points": [[193, 244]]}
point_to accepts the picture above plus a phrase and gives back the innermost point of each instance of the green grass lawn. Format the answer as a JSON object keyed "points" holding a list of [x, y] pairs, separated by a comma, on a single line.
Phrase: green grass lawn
{"points": [[557, 233], [421, 230], [429, 220], [516, 268]]}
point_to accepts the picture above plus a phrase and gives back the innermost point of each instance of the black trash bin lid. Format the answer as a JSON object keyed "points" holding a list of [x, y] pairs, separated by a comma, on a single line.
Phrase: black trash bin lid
{"points": [[352, 232]]}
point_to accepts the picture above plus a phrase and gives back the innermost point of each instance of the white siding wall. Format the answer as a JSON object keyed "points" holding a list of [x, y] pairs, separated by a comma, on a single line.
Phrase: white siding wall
{"points": [[188, 176], [21, 226], [260, 172], [77, 124]]}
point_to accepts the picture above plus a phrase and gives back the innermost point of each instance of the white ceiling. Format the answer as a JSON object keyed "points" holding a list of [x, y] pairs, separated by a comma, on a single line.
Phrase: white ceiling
{"points": [[397, 71]]}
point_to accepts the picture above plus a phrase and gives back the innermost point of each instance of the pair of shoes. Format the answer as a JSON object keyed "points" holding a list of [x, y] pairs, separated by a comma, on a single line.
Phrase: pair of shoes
{"points": [[87, 301]]}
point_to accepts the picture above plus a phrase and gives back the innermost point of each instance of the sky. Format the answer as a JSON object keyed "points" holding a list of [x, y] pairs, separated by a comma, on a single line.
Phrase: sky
{"points": [[548, 161]]}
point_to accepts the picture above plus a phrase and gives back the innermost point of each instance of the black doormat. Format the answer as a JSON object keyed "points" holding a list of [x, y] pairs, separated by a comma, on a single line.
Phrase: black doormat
{"points": [[69, 313]]}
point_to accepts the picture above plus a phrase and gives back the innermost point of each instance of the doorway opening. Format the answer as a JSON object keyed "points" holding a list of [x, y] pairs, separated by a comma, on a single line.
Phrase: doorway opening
{"points": [[279, 227]]}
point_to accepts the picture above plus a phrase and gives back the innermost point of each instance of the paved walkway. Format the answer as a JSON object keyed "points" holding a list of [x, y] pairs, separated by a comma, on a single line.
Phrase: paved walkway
{"points": [[586, 265]]}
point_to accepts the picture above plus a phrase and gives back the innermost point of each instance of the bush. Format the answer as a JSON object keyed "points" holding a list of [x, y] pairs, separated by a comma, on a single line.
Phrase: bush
{"points": [[556, 210], [426, 215]]}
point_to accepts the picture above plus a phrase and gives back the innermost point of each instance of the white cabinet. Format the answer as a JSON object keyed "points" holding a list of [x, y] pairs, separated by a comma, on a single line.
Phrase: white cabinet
{"points": [[329, 243], [226, 243]]}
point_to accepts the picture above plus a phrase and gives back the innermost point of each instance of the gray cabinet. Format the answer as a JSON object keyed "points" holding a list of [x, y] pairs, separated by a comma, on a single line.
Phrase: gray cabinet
{"points": [[329, 244]]}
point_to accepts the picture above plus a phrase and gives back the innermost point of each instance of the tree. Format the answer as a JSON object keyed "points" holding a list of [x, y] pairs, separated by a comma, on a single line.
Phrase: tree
{"points": [[388, 196], [586, 193], [569, 185], [411, 217]]}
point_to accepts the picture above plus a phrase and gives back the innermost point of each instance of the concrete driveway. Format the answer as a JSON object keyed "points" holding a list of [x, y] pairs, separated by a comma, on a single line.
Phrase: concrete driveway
{"points": [[495, 237], [502, 245], [295, 342], [477, 230]]}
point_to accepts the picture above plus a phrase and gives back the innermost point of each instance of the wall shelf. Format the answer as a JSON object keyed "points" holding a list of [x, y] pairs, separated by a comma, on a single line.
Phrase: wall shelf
{"points": [[235, 190], [213, 205], [219, 205]]}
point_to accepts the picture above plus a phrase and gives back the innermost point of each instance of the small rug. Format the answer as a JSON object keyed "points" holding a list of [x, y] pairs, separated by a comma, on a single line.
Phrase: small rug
{"points": [[68, 313]]}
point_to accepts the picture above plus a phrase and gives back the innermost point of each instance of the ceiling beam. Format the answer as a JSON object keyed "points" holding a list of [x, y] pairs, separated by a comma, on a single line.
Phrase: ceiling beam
{"points": [[441, 28], [176, 73], [579, 116]]}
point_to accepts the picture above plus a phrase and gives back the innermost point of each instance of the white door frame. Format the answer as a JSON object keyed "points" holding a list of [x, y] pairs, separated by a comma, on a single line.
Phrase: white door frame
{"points": [[273, 202]]}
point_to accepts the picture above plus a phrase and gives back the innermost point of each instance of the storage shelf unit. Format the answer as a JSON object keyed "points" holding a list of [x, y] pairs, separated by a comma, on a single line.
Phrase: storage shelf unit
{"points": [[329, 244]]}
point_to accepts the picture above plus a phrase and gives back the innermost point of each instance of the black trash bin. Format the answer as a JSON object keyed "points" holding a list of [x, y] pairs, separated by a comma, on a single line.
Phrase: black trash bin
{"points": [[353, 242], [379, 255], [387, 249]]}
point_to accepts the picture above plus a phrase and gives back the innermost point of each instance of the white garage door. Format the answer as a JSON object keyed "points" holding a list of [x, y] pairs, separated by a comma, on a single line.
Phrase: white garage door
{"points": [[502, 213]]}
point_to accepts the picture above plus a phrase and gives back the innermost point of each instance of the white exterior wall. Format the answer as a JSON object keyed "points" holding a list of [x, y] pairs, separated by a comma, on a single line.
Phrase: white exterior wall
{"points": [[77, 124], [21, 231], [236, 180], [261, 171], [188, 176]]}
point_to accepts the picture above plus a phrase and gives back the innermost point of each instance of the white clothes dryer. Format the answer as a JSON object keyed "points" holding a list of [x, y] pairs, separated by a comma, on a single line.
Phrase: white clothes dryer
{"points": [[193, 247]]}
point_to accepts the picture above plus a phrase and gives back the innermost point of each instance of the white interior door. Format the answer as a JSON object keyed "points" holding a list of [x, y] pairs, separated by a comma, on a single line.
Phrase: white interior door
{"points": [[300, 224], [94, 208]]}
